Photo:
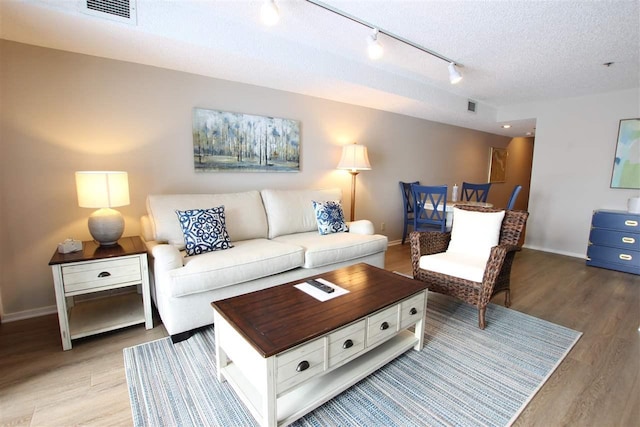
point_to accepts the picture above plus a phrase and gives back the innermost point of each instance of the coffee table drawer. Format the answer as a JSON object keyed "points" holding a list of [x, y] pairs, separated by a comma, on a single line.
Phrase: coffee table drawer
{"points": [[91, 275], [346, 342], [382, 325], [411, 310], [299, 364]]}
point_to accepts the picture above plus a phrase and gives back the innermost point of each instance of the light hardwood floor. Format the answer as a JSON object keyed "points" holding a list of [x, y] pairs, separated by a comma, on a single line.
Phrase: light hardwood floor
{"points": [[596, 385]]}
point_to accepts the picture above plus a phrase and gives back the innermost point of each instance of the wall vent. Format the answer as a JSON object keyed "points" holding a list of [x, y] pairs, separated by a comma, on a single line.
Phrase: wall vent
{"points": [[471, 106], [115, 10]]}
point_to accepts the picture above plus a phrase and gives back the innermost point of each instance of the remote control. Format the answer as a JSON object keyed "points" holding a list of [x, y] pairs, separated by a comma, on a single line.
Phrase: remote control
{"points": [[321, 286]]}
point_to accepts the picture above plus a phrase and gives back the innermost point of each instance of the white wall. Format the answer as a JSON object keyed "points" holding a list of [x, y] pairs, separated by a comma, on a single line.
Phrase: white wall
{"points": [[63, 112], [572, 163]]}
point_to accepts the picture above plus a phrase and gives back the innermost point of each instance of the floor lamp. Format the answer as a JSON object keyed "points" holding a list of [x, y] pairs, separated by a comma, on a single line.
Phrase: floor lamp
{"points": [[354, 159]]}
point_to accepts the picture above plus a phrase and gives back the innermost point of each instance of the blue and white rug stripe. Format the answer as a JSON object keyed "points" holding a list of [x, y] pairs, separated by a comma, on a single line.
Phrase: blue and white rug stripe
{"points": [[463, 376]]}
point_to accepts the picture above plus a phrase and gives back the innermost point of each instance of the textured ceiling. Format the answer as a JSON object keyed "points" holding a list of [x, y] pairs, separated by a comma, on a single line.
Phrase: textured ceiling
{"points": [[512, 52]]}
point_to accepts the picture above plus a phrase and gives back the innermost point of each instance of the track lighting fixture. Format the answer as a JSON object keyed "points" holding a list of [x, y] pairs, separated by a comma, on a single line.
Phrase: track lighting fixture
{"points": [[270, 16], [375, 48], [269, 13], [454, 74]]}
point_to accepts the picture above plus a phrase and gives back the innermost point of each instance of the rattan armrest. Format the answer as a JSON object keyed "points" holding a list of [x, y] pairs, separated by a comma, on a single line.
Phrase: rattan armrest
{"points": [[427, 243]]}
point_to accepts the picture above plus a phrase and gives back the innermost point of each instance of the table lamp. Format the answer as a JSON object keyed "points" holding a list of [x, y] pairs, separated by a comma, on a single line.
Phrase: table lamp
{"points": [[354, 158], [103, 190]]}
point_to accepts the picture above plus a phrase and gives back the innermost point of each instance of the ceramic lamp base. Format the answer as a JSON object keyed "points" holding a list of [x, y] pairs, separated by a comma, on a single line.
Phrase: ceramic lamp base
{"points": [[106, 226]]}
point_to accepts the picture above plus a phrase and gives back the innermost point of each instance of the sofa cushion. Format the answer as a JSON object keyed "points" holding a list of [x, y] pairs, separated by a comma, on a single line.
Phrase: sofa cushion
{"points": [[291, 211], [244, 212], [329, 217], [204, 230], [321, 250], [247, 260]]}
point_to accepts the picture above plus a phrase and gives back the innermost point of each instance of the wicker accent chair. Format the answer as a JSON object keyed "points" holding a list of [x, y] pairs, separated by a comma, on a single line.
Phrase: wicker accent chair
{"points": [[497, 272]]}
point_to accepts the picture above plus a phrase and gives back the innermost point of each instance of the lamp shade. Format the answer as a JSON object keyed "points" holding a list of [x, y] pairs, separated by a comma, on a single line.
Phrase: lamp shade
{"points": [[354, 158], [102, 189]]}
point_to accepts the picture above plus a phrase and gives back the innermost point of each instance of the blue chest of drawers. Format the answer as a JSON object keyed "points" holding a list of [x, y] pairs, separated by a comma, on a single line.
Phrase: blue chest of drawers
{"points": [[614, 241]]}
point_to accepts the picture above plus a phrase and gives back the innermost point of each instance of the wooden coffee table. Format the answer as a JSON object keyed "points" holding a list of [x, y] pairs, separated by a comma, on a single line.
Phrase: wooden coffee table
{"points": [[286, 353]]}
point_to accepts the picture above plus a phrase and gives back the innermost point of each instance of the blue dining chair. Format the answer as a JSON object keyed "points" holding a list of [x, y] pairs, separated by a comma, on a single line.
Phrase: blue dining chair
{"points": [[407, 206], [514, 196], [474, 192], [433, 217]]}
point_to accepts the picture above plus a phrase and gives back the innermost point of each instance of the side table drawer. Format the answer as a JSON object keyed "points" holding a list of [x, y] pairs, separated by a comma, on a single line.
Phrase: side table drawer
{"points": [[614, 258], [346, 342], [92, 275], [299, 364], [382, 325], [617, 239], [616, 221]]}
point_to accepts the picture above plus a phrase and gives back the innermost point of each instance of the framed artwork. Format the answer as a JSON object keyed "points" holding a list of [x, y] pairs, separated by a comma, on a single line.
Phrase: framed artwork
{"points": [[236, 142], [626, 163], [498, 165]]}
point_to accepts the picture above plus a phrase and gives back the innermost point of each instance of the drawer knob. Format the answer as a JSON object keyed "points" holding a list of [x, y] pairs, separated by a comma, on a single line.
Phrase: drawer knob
{"points": [[628, 240], [302, 366], [347, 344], [413, 311], [104, 274], [625, 257], [631, 223], [384, 326]]}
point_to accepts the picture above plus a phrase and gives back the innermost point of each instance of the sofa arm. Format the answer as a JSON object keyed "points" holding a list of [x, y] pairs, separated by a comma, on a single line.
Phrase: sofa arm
{"points": [[362, 226], [165, 257]]}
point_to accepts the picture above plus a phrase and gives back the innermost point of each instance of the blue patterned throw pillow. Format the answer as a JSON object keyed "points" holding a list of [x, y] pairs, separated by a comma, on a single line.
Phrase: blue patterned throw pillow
{"points": [[204, 230], [330, 217]]}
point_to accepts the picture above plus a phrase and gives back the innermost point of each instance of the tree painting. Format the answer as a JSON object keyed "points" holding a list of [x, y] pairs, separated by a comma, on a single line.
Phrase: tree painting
{"points": [[235, 142]]}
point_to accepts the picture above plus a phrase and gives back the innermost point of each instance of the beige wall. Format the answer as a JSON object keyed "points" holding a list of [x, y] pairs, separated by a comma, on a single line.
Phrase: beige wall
{"points": [[62, 112]]}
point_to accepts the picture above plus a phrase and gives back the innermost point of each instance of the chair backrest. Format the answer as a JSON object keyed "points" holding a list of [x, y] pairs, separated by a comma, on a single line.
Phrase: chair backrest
{"points": [[514, 196], [407, 197], [430, 205], [512, 224], [474, 192]]}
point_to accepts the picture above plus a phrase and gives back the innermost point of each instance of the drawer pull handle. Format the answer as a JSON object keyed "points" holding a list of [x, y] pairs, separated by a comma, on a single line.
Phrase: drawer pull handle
{"points": [[625, 257], [631, 223], [302, 366], [628, 240], [347, 344], [384, 326], [413, 311], [104, 274]]}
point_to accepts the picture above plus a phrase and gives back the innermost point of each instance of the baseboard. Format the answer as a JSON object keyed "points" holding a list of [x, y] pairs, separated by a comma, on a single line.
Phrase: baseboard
{"points": [[554, 251], [28, 314]]}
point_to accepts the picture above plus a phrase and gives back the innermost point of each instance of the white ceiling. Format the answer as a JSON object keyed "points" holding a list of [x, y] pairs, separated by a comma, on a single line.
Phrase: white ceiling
{"points": [[512, 51]]}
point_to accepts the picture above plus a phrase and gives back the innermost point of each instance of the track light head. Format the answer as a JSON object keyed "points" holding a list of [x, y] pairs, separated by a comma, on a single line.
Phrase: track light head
{"points": [[375, 48], [269, 13], [454, 74]]}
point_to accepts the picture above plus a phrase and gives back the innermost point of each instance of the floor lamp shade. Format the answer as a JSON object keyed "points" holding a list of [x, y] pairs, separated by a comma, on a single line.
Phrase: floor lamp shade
{"points": [[103, 190], [354, 159]]}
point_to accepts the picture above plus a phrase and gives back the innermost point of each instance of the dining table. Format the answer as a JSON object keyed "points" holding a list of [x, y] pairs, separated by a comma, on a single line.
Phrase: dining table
{"points": [[451, 204]]}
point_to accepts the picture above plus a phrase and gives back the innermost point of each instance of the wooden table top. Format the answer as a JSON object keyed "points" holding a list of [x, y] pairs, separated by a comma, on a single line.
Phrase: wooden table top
{"points": [[91, 250], [278, 318]]}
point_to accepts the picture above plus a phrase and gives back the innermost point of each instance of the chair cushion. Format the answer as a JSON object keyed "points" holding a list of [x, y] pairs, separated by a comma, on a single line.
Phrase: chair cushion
{"points": [[475, 233], [464, 266], [330, 217], [204, 230], [247, 260], [321, 250]]}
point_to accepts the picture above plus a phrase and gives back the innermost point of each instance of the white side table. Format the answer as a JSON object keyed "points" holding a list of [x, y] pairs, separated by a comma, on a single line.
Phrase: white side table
{"points": [[94, 270]]}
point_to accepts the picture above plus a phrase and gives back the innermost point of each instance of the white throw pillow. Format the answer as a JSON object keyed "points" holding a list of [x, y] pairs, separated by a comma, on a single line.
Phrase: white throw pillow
{"points": [[475, 233]]}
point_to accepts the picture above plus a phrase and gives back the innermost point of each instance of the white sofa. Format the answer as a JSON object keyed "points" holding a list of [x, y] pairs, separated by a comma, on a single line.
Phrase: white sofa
{"points": [[275, 240]]}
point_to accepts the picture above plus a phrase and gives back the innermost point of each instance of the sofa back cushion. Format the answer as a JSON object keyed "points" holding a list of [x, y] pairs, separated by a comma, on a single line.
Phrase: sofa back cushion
{"points": [[245, 216], [291, 211]]}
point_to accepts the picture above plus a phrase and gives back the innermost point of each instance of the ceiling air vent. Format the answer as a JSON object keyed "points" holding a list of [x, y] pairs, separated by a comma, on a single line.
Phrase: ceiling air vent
{"points": [[116, 10], [471, 106]]}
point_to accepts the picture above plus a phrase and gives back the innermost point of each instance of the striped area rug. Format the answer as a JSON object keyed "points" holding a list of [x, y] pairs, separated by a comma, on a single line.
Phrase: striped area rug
{"points": [[462, 377]]}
